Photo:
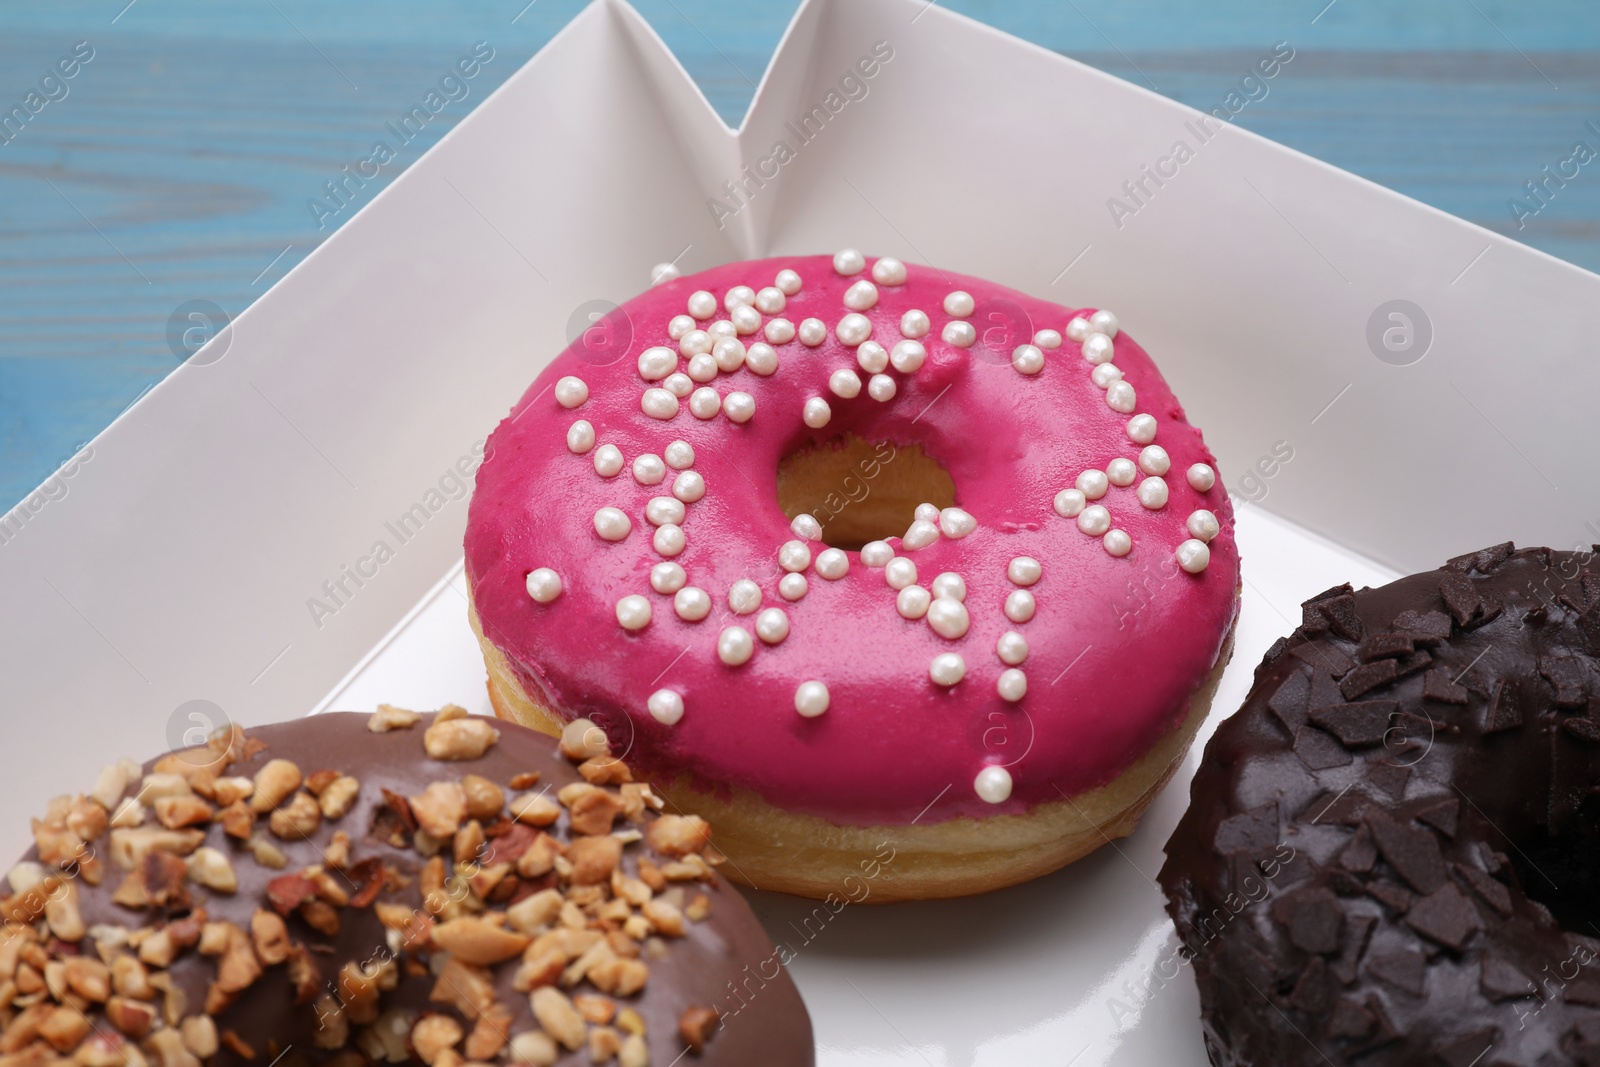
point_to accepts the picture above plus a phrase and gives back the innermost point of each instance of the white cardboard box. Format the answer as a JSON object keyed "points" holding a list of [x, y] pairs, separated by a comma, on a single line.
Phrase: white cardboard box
{"points": [[182, 556]]}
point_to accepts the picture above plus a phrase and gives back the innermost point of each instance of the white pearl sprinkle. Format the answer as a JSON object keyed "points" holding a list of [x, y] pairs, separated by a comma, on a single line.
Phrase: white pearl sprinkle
{"points": [[689, 486], [656, 363], [702, 305], [658, 404], [1093, 484], [1142, 429], [813, 332], [1121, 472], [666, 707], [1203, 525], [816, 413], [704, 403], [740, 407], [1024, 570], [667, 577], [792, 586], [544, 585], [811, 699], [739, 294], [703, 367], [889, 271], [881, 388], [1105, 374], [1202, 477], [744, 597], [959, 304], [1027, 359], [691, 603], [633, 612], [1193, 556], [649, 469], [853, 329], [729, 354], [680, 325], [735, 646], [848, 261], [770, 301], [1153, 492], [779, 331], [948, 618], [926, 512], [1047, 339], [1117, 543], [950, 584], [1120, 397], [1020, 605], [806, 525], [960, 333], [679, 455], [678, 384], [668, 539], [1078, 329], [580, 437], [1094, 520], [1012, 686], [908, 355], [608, 461], [862, 296], [1012, 648], [612, 524], [872, 357], [957, 523], [912, 602], [899, 573], [833, 563], [993, 784], [1069, 502], [1103, 321], [947, 669], [695, 343], [761, 359], [746, 320], [920, 534], [722, 330], [794, 556], [772, 626], [1097, 348], [844, 383], [915, 324], [876, 553], [571, 391], [664, 509], [1153, 459], [787, 281]]}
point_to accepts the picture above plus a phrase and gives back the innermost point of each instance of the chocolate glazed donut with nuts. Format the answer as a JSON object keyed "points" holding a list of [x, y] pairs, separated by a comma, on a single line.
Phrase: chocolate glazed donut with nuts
{"points": [[396, 888], [1426, 755]]}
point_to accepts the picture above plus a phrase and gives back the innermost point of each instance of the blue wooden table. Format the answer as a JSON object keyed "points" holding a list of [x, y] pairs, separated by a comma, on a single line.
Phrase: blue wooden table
{"points": [[155, 153]]}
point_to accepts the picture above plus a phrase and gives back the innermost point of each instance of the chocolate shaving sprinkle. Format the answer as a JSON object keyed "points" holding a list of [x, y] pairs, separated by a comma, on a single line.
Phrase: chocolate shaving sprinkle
{"points": [[1356, 725], [1406, 971]]}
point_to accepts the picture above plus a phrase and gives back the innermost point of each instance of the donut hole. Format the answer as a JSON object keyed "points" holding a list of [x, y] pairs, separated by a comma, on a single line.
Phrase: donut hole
{"points": [[860, 490], [1562, 870]]}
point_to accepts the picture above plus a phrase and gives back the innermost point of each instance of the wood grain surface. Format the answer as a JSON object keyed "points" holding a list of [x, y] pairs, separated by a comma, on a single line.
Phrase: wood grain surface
{"points": [[179, 163]]}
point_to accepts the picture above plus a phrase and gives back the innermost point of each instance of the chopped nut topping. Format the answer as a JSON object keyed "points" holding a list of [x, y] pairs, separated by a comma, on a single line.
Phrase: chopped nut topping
{"points": [[296, 820], [226, 791], [269, 935], [582, 739], [199, 1035], [132, 1017], [211, 868], [459, 738], [338, 797], [593, 859], [388, 717], [484, 798], [696, 1025], [440, 808], [557, 1015], [678, 835], [478, 941], [175, 813], [274, 783], [434, 1034], [534, 1047], [634, 1053], [535, 809]]}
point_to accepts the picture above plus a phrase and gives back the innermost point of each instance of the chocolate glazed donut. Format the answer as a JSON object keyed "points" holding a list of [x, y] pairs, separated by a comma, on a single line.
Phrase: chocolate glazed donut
{"points": [[1392, 853], [400, 888]]}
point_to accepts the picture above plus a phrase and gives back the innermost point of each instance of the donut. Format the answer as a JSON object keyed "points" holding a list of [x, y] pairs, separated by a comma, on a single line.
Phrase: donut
{"points": [[1392, 851], [857, 558], [355, 889]]}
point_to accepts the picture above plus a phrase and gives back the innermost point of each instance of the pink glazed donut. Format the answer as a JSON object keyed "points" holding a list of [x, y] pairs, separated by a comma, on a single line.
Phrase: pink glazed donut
{"points": [[911, 584]]}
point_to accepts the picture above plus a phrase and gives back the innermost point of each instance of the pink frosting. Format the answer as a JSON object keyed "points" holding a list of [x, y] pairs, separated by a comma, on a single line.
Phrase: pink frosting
{"points": [[1116, 646]]}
